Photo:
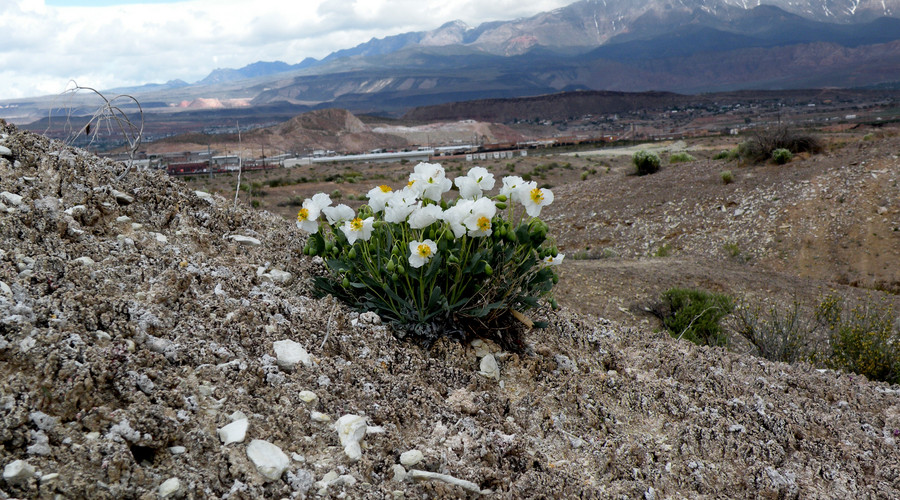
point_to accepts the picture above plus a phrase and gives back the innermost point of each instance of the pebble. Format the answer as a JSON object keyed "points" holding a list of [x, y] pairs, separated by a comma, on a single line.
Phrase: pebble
{"points": [[169, 488], [351, 429], [307, 396], [11, 198], [399, 473], [122, 198], [269, 460], [177, 450], [235, 432], [288, 353], [84, 261], [319, 417], [244, 240], [411, 457], [17, 471], [489, 367], [5, 151]]}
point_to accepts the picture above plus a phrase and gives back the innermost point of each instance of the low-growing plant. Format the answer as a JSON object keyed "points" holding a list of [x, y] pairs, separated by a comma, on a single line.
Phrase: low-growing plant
{"points": [[695, 315], [728, 154], [663, 250], [863, 338], [759, 148], [781, 156], [727, 177], [435, 266], [777, 335], [645, 162], [680, 157]]}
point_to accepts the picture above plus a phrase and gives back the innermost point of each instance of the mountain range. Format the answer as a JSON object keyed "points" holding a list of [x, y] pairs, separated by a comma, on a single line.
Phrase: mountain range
{"points": [[685, 46]]}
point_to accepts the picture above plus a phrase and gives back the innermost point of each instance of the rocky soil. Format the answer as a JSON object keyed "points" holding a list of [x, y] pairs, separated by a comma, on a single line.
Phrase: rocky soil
{"points": [[157, 342]]}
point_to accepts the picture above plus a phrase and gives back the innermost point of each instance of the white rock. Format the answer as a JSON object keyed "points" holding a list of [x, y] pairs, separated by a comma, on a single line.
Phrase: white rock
{"points": [[351, 429], [11, 198], [289, 353], [481, 348], [17, 471], [169, 488], [269, 460], [84, 261], [411, 457], [243, 240], [123, 219], [319, 417], [177, 450], [203, 195], [307, 396], [122, 198], [5, 151], [46, 478], [234, 432], [399, 473], [370, 318], [77, 209], [489, 367], [5, 289]]}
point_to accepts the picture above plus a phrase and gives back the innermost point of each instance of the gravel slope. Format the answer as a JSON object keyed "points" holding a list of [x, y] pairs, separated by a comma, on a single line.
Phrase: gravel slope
{"points": [[134, 326]]}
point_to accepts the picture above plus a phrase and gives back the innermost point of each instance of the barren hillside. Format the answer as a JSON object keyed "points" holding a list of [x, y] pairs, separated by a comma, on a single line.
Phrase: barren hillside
{"points": [[142, 328]]}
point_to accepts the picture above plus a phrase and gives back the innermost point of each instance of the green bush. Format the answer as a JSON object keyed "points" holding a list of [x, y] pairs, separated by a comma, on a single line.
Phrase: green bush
{"points": [[694, 315], [782, 156], [727, 177], [862, 338], [726, 155], [645, 162], [433, 266], [680, 157]]}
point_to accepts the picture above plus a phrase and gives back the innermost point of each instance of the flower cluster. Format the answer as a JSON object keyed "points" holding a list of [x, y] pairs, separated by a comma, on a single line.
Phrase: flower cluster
{"points": [[414, 256]]}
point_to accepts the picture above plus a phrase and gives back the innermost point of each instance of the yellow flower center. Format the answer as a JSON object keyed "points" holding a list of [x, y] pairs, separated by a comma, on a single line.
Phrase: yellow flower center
{"points": [[424, 251], [410, 183], [537, 195], [484, 223], [356, 224], [385, 188], [303, 214]]}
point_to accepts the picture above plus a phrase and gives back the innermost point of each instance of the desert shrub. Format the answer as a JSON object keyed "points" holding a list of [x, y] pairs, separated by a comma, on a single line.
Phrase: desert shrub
{"points": [[729, 154], [777, 335], [695, 315], [663, 250], [760, 147], [434, 266], [862, 338], [645, 162], [782, 156], [727, 177], [680, 157]]}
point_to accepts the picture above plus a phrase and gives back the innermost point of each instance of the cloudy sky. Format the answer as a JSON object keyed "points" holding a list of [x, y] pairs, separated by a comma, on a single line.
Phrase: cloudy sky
{"points": [[113, 43]]}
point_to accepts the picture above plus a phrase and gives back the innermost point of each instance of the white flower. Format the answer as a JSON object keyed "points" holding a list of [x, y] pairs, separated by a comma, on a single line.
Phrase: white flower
{"points": [[554, 261], [533, 198], [421, 252], [455, 215], [308, 216], [478, 222], [475, 182], [400, 205], [358, 229], [429, 181], [423, 217], [512, 185], [338, 214], [378, 196]]}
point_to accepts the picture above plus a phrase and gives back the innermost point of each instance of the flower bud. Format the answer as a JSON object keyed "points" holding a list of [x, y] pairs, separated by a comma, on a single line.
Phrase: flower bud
{"points": [[352, 253], [488, 270], [500, 198], [346, 282], [500, 206]]}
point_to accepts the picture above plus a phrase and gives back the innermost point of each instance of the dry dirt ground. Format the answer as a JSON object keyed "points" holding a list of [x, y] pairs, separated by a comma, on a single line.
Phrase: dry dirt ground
{"points": [[139, 317]]}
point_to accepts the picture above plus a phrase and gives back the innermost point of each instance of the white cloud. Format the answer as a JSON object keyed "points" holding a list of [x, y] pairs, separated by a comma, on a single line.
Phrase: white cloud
{"points": [[122, 45]]}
